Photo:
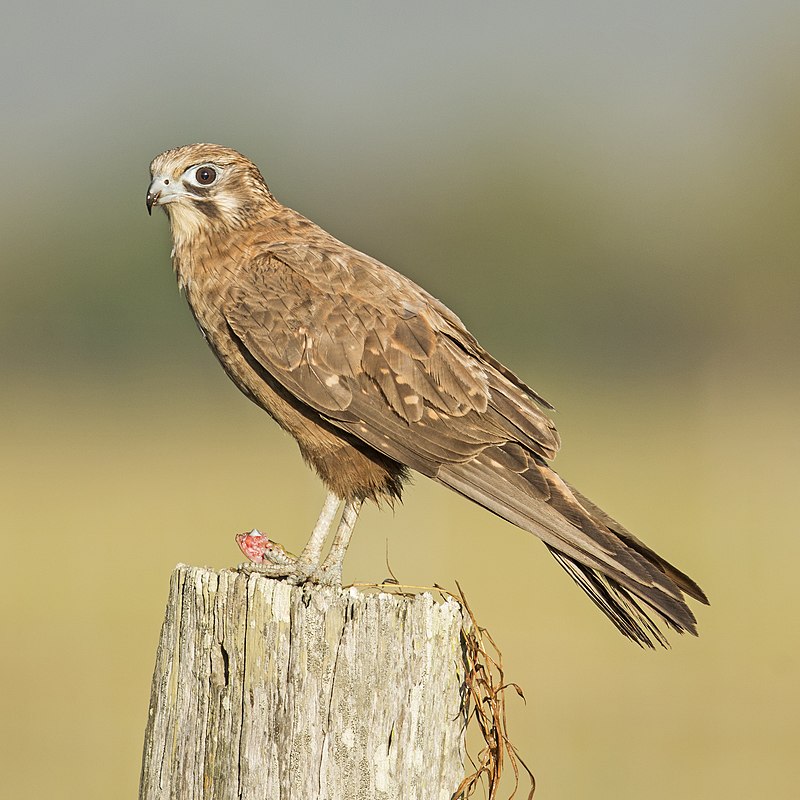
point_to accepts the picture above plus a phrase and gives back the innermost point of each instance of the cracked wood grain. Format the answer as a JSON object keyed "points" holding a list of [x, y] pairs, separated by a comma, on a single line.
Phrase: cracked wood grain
{"points": [[266, 690]]}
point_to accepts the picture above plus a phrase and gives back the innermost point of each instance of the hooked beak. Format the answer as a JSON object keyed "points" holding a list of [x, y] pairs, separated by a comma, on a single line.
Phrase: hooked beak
{"points": [[162, 191], [152, 199]]}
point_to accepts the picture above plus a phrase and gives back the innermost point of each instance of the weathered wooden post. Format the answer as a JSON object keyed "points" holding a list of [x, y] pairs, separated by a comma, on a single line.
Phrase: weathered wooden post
{"points": [[264, 690]]}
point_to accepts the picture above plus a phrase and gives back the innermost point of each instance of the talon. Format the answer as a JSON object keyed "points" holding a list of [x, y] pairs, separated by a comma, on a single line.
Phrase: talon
{"points": [[318, 576], [267, 570]]}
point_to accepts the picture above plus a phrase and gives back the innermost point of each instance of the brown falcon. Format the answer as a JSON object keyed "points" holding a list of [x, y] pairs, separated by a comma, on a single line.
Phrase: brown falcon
{"points": [[373, 377]]}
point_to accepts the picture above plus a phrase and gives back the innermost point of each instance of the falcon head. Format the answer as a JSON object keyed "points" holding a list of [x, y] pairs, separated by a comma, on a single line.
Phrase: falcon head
{"points": [[206, 185]]}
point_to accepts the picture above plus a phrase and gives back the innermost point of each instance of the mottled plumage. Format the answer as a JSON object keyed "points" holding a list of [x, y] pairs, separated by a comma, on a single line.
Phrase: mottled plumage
{"points": [[373, 376]]}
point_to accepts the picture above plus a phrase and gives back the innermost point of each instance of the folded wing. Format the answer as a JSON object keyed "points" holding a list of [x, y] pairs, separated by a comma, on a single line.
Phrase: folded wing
{"points": [[384, 361]]}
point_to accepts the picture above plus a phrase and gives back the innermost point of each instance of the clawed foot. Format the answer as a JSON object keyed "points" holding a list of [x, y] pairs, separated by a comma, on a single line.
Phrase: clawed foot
{"points": [[273, 560], [269, 558]]}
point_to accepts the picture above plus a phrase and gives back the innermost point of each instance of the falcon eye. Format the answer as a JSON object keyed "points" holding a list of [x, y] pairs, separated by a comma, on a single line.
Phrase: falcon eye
{"points": [[205, 175]]}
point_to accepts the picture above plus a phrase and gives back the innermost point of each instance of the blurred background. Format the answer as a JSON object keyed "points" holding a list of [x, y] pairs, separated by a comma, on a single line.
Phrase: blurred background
{"points": [[605, 193]]}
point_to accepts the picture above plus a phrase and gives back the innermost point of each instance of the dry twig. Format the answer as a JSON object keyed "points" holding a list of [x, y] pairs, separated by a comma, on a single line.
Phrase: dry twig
{"points": [[484, 701], [486, 705]]}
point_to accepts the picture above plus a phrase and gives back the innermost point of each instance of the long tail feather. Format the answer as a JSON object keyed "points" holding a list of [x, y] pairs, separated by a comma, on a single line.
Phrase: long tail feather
{"points": [[632, 585]]}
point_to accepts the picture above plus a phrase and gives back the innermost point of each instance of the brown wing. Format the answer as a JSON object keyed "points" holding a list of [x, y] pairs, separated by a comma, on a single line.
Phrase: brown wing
{"points": [[386, 362], [362, 345]]}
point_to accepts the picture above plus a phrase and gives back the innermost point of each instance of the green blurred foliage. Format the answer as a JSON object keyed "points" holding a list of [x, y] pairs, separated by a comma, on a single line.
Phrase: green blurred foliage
{"points": [[607, 198]]}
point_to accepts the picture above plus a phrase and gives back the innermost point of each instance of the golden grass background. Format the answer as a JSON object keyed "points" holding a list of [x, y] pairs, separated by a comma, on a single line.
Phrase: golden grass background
{"points": [[609, 200], [167, 470]]}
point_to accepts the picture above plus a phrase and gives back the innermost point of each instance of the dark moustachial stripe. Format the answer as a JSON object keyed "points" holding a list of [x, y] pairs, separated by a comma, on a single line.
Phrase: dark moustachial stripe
{"points": [[200, 191], [209, 208]]}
